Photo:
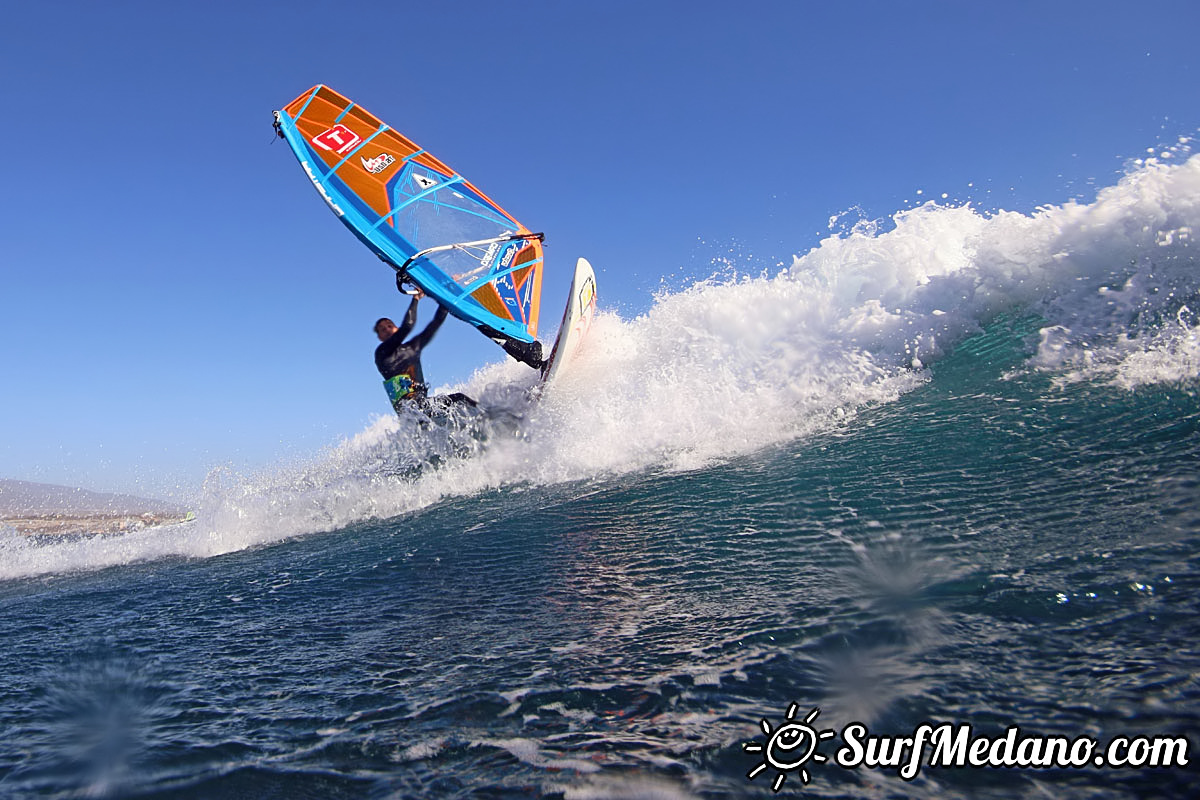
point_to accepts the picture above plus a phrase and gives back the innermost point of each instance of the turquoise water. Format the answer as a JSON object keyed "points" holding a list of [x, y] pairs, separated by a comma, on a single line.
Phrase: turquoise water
{"points": [[943, 473]]}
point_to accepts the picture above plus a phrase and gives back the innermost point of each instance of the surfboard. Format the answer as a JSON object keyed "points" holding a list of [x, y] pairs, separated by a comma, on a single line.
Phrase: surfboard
{"points": [[576, 321]]}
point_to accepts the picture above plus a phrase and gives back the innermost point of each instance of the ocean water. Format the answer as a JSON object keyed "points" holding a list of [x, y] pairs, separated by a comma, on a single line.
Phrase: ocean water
{"points": [[943, 468]]}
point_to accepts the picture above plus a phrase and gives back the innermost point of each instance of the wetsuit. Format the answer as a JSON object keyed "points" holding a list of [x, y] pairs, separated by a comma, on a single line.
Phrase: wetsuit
{"points": [[399, 362]]}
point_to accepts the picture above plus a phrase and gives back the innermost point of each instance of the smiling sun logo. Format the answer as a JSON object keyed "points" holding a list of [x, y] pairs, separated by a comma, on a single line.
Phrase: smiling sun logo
{"points": [[789, 747]]}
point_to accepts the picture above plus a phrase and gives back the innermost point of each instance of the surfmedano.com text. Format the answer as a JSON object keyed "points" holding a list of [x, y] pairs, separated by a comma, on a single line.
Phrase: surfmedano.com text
{"points": [[954, 746]]}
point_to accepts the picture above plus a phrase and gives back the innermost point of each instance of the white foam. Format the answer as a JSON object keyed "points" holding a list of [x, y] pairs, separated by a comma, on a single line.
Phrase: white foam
{"points": [[529, 752], [726, 367]]}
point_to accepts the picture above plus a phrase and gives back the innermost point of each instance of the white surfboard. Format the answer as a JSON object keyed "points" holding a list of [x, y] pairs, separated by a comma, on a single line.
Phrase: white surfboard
{"points": [[577, 319]]}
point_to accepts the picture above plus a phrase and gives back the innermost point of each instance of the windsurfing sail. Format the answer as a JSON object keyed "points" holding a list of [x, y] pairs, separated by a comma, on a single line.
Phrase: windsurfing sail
{"points": [[436, 229]]}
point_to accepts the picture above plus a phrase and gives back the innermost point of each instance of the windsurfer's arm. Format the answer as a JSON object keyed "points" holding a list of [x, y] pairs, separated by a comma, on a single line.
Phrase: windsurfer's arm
{"points": [[410, 318], [421, 339]]}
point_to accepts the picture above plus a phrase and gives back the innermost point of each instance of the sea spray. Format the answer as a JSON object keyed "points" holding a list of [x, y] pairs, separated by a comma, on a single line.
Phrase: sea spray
{"points": [[726, 367]]}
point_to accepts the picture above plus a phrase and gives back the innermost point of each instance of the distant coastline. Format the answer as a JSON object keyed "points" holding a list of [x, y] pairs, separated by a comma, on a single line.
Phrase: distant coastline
{"points": [[42, 509], [62, 525]]}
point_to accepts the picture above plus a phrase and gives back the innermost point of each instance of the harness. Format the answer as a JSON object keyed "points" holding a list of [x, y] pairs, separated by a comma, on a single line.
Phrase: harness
{"points": [[401, 388]]}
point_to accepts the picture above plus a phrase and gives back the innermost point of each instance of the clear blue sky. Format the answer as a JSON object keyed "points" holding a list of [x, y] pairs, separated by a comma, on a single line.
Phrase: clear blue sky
{"points": [[176, 295]]}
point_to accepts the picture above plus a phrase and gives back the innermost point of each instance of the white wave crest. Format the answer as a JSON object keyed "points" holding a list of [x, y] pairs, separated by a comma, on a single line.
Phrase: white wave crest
{"points": [[726, 367]]}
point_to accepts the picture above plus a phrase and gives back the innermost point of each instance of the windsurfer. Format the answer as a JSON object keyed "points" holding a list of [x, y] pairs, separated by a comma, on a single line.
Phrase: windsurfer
{"points": [[399, 362]]}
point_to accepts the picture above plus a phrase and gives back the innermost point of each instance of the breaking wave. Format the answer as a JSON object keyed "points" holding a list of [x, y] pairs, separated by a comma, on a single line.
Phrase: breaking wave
{"points": [[725, 367]]}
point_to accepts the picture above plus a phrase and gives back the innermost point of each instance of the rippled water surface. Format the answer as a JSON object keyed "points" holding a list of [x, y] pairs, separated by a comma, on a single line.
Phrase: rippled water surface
{"points": [[991, 549]]}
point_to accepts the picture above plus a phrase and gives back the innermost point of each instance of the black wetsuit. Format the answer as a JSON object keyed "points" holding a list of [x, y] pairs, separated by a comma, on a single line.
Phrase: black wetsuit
{"points": [[394, 356], [397, 357]]}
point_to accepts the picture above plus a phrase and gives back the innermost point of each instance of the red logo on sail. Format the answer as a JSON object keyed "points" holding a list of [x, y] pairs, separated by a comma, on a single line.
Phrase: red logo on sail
{"points": [[339, 139]]}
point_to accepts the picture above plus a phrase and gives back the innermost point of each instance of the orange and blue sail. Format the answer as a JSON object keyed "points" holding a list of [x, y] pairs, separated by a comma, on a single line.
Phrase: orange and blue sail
{"points": [[430, 224]]}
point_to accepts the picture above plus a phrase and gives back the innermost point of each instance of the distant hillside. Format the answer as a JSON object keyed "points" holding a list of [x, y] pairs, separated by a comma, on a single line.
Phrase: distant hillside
{"points": [[26, 499]]}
